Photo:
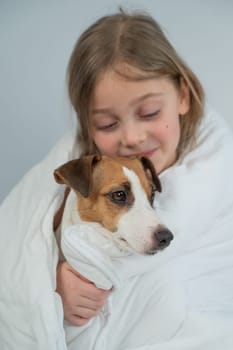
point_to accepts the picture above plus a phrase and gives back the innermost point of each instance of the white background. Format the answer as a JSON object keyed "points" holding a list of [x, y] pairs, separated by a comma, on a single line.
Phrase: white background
{"points": [[36, 39]]}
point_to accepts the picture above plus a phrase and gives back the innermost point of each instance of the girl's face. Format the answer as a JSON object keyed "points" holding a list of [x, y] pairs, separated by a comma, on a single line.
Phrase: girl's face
{"points": [[138, 117]]}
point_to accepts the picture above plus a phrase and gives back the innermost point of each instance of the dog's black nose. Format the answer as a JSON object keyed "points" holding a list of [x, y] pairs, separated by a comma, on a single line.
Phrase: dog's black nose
{"points": [[163, 237]]}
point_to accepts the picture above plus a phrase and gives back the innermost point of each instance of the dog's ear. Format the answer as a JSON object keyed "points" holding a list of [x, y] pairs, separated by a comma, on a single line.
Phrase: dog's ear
{"points": [[148, 165], [77, 174]]}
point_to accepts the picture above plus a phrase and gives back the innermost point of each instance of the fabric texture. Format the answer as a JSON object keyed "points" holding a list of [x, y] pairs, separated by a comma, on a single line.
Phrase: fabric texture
{"points": [[180, 298]]}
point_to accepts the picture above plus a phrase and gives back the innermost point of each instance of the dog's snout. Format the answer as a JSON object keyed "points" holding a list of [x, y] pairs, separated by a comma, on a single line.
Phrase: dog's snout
{"points": [[163, 237]]}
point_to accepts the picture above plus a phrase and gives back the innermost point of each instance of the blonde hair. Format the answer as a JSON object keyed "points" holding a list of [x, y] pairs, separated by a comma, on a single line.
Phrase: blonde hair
{"points": [[137, 40]]}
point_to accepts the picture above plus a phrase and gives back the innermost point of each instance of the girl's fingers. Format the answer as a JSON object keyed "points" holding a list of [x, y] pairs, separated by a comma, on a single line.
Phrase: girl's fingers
{"points": [[81, 299]]}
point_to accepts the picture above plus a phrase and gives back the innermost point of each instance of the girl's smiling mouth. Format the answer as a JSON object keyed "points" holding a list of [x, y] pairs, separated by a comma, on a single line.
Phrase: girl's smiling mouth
{"points": [[147, 154]]}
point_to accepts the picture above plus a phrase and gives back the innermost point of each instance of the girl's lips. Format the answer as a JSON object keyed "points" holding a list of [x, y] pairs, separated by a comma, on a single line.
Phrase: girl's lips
{"points": [[147, 154]]}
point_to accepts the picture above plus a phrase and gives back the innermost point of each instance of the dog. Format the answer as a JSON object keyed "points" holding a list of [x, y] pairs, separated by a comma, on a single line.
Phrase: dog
{"points": [[116, 193]]}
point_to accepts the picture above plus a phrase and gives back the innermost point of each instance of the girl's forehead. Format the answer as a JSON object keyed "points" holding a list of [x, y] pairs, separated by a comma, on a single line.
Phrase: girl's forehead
{"points": [[112, 86]]}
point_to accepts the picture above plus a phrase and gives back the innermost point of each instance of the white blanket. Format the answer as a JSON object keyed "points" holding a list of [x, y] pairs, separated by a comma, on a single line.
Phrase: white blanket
{"points": [[179, 299]]}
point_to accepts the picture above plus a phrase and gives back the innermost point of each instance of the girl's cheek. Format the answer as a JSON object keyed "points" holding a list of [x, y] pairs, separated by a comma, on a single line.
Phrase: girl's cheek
{"points": [[161, 129], [103, 143]]}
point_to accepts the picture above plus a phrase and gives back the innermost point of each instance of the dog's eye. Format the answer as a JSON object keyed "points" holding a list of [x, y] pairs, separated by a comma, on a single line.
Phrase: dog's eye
{"points": [[118, 196], [121, 195]]}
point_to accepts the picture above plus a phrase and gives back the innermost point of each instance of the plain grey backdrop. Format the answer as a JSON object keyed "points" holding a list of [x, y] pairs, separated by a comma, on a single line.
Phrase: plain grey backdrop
{"points": [[36, 40]]}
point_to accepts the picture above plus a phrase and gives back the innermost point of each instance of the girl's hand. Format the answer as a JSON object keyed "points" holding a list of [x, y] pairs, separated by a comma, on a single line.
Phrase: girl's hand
{"points": [[81, 299]]}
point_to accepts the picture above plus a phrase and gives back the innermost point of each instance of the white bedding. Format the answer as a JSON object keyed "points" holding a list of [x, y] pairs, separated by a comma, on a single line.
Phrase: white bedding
{"points": [[179, 299]]}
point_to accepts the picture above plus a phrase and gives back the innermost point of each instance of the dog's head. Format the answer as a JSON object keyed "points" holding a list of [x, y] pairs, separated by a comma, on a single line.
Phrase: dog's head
{"points": [[118, 193]]}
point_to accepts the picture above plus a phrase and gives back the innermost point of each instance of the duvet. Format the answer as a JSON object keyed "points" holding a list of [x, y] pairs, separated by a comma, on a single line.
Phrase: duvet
{"points": [[180, 298]]}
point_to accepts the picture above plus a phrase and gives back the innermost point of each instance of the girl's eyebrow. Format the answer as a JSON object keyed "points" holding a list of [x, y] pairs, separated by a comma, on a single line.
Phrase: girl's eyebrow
{"points": [[135, 101], [144, 97], [102, 111]]}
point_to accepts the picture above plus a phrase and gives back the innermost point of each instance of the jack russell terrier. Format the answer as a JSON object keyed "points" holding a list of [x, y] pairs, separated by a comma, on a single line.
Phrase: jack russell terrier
{"points": [[117, 194]]}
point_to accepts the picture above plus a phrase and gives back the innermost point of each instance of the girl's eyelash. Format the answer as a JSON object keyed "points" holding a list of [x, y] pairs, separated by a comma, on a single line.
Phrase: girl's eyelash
{"points": [[153, 114], [106, 127]]}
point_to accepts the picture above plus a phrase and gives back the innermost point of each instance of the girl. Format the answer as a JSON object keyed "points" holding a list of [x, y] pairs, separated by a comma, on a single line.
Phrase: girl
{"points": [[133, 95]]}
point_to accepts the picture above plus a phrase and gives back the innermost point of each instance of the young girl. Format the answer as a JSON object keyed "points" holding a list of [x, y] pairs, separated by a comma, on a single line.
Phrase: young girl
{"points": [[133, 95]]}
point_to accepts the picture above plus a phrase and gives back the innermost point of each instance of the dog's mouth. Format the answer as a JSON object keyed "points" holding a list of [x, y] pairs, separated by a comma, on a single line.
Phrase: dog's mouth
{"points": [[127, 247], [158, 241]]}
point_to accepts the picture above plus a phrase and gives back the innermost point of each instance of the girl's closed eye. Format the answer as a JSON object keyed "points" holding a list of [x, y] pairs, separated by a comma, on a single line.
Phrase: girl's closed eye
{"points": [[105, 125], [150, 115]]}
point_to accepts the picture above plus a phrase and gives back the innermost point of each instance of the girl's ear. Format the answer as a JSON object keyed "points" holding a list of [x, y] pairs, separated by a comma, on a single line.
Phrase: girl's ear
{"points": [[184, 98]]}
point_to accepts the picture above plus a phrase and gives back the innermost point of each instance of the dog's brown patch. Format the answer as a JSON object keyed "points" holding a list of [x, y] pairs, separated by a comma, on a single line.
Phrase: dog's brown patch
{"points": [[108, 176]]}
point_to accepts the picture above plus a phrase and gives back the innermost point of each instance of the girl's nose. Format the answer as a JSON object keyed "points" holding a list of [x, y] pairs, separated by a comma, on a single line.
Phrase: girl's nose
{"points": [[133, 135]]}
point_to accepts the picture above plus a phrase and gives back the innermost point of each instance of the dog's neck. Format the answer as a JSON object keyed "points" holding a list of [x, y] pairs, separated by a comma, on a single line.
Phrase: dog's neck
{"points": [[70, 215], [65, 217]]}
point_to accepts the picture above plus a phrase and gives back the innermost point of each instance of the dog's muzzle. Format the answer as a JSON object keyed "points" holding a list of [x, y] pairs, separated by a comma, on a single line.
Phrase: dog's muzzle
{"points": [[163, 238]]}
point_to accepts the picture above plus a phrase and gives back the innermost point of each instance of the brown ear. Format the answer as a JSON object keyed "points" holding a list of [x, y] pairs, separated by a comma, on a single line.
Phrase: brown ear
{"points": [[77, 174], [148, 165]]}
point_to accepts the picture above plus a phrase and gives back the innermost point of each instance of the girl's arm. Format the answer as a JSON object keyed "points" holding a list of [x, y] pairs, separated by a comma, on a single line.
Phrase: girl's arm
{"points": [[81, 299]]}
